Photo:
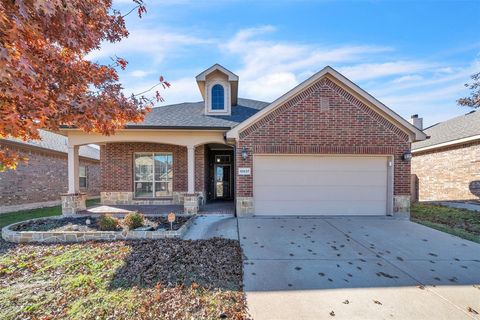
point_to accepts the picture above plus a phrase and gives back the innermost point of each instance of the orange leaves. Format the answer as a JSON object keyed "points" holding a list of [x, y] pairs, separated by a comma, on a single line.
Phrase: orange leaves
{"points": [[45, 81]]}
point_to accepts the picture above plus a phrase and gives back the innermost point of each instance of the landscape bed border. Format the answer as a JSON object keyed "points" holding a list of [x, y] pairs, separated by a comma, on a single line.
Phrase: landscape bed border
{"points": [[82, 236]]}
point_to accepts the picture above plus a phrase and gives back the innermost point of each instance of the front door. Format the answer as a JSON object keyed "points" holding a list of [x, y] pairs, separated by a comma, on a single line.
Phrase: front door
{"points": [[223, 178]]}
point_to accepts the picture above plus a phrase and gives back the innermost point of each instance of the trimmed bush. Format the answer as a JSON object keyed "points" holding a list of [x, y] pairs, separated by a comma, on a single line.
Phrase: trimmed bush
{"points": [[108, 223], [134, 220]]}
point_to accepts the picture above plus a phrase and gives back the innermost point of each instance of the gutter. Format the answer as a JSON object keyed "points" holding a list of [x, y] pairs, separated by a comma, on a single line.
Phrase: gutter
{"points": [[448, 143], [134, 127]]}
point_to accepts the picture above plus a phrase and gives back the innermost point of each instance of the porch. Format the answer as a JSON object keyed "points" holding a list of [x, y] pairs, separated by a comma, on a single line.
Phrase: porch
{"points": [[218, 207], [155, 172]]}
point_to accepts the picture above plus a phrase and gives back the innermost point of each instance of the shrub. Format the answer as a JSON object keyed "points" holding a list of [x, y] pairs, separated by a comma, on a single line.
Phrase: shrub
{"points": [[134, 220], [108, 223]]}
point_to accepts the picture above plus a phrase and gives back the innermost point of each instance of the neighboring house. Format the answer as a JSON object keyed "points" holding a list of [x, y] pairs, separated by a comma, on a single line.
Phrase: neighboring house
{"points": [[325, 147], [40, 181], [447, 165]]}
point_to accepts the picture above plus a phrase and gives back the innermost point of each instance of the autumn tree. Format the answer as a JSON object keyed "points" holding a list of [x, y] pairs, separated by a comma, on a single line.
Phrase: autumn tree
{"points": [[45, 80], [474, 99]]}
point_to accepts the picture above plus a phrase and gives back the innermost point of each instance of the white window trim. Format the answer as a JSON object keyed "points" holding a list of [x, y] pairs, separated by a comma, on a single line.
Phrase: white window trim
{"points": [[226, 97], [85, 176], [153, 175]]}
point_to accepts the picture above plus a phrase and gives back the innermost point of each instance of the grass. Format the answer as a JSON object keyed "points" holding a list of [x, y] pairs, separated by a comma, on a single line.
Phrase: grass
{"points": [[74, 281], [12, 217], [459, 222]]}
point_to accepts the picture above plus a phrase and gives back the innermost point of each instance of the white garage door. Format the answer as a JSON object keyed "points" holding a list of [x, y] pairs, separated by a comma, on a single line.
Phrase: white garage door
{"points": [[319, 185]]}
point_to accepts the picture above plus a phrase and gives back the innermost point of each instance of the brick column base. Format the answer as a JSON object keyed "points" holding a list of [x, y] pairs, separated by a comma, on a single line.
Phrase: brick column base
{"points": [[191, 203], [73, 203]]}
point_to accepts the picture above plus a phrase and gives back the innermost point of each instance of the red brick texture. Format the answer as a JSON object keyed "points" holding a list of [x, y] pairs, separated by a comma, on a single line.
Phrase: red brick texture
{"points": [[117, 164], [324, 119], [200, 154], [451, 173], [43, 178]]}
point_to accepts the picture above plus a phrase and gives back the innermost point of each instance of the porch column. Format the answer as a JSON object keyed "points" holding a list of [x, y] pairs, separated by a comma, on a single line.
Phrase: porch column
{"points": [[190, 200], [73, 170], [191, 169], [73, 201]]}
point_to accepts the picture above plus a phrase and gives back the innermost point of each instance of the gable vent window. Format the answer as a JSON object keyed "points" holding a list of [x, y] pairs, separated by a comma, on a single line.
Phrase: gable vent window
{"points": [[218, 97], [324, 103]]}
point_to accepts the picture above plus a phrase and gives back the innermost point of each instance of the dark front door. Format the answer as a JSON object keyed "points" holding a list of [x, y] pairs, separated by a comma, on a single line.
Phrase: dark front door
{"points": [[223, 181]]}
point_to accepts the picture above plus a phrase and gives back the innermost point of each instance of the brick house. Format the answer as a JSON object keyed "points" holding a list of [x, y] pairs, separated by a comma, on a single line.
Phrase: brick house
{"points": [[447, 165], [40, 181], [325, 147]]}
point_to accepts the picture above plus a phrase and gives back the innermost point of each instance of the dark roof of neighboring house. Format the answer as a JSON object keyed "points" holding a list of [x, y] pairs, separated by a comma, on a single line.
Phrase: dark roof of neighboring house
{"points": [[56, 142], [461, 127], [192, 115]]}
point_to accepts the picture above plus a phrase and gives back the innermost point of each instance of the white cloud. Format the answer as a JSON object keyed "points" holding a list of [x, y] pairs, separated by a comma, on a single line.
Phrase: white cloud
{"points": [[270, 85], [155, 43], [139, 73], [277, 66], [181, 90], [408, 78], [377, 70]]}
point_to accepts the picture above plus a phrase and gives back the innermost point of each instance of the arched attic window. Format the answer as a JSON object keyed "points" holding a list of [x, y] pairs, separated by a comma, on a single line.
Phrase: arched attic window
{"points": [[218, 97]]}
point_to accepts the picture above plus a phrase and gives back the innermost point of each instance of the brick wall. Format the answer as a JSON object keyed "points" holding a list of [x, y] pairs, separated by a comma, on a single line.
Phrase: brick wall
{"points": [[43, 178], [451, 173], [117, 164], [324, 119]]}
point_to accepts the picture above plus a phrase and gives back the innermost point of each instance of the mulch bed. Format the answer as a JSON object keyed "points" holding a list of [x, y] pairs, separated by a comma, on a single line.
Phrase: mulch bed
{"points": [[68, 223]]}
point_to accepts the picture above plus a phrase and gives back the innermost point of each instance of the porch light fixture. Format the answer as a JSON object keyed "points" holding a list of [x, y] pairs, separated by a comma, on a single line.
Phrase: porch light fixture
{"points": [[407, 156], [244, 153]]}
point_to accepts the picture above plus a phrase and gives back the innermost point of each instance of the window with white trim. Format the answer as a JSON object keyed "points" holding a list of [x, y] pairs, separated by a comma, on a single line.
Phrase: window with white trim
{"points": [[82, 176], [153, 174]]}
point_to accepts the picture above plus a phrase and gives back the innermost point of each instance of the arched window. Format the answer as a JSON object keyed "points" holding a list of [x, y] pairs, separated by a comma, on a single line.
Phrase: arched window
{"points": [[218, 101]]}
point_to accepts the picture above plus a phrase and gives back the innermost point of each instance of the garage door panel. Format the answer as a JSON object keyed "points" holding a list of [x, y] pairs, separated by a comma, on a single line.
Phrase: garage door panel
{"points": [[274, 193], [309, 163], [321, 185], [321, 208], [312, 178]]}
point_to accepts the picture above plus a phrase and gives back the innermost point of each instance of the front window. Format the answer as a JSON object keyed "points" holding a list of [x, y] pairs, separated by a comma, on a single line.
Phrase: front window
{"points": [[153, 175], [82, 176], [218, 101]]}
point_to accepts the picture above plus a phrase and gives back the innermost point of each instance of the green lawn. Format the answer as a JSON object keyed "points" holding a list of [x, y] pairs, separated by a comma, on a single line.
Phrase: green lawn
{"points": [[459, 222], [11, 217]]}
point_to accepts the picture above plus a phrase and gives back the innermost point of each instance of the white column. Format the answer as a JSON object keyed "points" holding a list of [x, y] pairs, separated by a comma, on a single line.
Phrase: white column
{"points": [[73, 170], [191, 169]]}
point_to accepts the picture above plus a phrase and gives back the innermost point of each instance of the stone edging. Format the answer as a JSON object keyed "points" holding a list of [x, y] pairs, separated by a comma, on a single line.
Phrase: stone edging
{"points": [[81, 236]]}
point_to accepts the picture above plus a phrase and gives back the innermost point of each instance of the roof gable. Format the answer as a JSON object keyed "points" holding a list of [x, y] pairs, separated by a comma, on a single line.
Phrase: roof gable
{"points": [[216, 67], [349, 86]]}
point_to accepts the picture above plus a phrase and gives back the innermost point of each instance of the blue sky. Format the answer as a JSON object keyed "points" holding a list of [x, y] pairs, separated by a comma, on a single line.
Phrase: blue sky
{"points": [[412, 56]]}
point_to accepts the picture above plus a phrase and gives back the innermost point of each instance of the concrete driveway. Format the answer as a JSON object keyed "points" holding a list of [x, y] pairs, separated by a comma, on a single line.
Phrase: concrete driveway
{"points": [[357, 268]]}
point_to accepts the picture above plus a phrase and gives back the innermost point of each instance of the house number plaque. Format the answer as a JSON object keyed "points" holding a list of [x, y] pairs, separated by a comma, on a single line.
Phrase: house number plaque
{"points": [[244, 171]]}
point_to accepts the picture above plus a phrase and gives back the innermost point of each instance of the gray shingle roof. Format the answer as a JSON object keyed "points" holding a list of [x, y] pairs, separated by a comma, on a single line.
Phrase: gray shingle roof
{"points": [[191, 114], [56, 142], [464, 126]]}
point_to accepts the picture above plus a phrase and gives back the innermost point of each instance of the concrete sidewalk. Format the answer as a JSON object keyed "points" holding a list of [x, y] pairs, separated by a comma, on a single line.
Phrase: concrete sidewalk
{"points": [[213, 225], [357, 268]]}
